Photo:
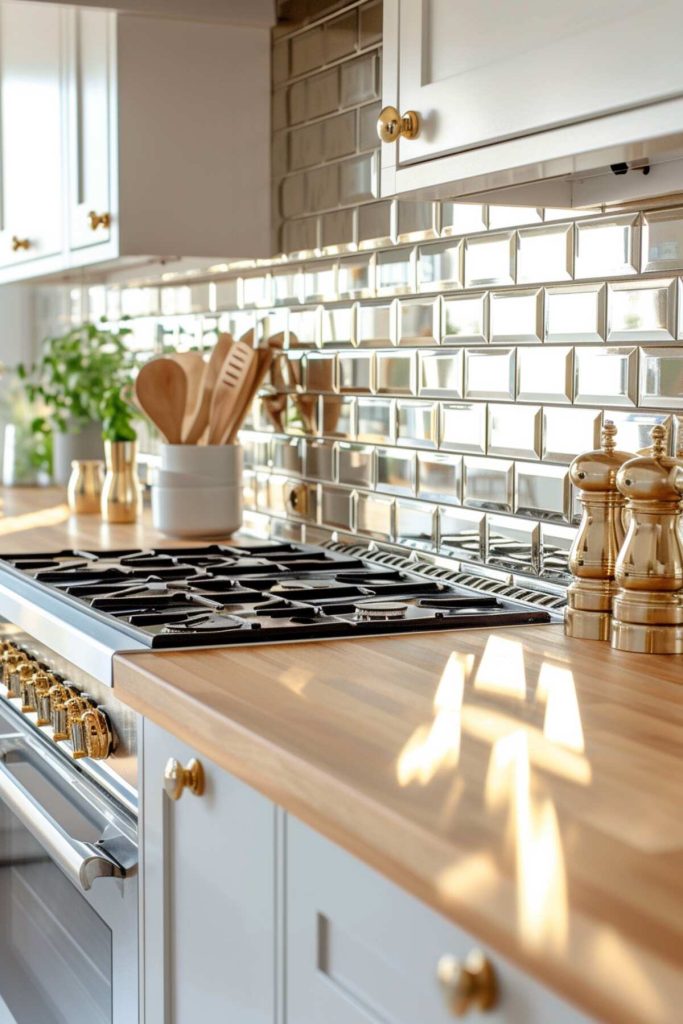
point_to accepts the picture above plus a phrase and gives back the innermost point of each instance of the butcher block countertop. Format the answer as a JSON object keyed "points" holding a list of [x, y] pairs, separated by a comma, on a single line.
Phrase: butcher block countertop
{"points": [[527, 786]]}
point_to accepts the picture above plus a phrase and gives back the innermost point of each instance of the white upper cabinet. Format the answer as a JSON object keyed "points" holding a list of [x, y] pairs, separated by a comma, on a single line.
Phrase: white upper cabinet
{"points": [[130, 136], [511, 96]]}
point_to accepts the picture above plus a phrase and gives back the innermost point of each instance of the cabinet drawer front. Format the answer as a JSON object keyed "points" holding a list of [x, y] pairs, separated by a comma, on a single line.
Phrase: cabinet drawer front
{"points": [[362, 951]]}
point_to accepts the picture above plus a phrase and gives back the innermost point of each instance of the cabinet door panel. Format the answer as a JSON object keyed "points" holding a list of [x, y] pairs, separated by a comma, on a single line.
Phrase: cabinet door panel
{"points": [[480, 71], [90, 124], [31, 131], [209, 900]]}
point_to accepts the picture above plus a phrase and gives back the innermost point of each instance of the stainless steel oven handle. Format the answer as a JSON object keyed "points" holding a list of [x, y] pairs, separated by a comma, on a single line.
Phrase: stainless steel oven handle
{"points": [[81, 862]]}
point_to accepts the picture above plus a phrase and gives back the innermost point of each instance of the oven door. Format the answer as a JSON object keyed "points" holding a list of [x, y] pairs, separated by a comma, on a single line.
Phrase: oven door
{"points": [[68, 890]]}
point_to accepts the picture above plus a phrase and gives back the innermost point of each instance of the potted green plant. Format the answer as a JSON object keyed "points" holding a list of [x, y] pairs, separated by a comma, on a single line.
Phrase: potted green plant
{"points": [[72, 377]]}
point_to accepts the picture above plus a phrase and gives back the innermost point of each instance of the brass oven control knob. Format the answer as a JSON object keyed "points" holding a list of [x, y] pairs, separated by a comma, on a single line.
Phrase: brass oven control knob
{"points": [[391, 125], [468, 985], [37, 689], [59, 696], [12, 673], [91, 734], [177, 778], [27, 671]]}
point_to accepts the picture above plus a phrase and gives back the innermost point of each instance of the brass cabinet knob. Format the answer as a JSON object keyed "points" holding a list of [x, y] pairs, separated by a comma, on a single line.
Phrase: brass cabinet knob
{"points": [[391, 125], [20, 243], [99, 220], [177, 778], [468, 985]]}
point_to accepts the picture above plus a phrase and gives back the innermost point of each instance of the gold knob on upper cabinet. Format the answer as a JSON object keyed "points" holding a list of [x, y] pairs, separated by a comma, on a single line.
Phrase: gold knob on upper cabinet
{"points": [[20, 243], [468, 985], [391, 125], [99, 220], [177, 778]]}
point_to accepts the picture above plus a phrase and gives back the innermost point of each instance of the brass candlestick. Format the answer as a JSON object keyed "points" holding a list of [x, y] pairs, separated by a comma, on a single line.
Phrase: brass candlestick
{"points": [[648, 607], [593, 556]]}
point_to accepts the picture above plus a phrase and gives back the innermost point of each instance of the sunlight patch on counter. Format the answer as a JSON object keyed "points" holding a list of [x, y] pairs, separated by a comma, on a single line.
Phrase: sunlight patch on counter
{"points": [[501, 669], [562, 722], [34, 520]]}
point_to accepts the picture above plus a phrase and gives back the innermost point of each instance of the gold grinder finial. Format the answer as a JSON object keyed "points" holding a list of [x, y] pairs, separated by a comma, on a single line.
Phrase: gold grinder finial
{"points": [[608, 436], [658, 435]]}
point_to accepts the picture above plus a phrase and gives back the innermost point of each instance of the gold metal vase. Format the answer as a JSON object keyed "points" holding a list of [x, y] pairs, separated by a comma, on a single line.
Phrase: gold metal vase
{"points": [[84, 492], [121, 493]]}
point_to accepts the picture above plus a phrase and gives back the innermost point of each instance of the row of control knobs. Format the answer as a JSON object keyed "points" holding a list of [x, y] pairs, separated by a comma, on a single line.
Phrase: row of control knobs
{"points": [[627, 557], [72, 714]]}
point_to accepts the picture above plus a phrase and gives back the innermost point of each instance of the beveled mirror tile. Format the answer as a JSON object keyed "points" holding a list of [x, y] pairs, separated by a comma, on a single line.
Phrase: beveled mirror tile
{"points": [[440, 266], [556, 543], [355, 371], [306, 51], [633, 429], [262, 486], [568, 432], [338, 416], [367, 126], [320, 371], [516, 316], [514, 544], [490, 259], [375, 516], [395, 372], [340, 36], [545, 375], [513, 216], [465, 319], [354, 277], [395, 272], [605, 375], [320, 282], [337, 325], [359, 80], [545, 254], [322, 94], [355, 465], [338, 231], [641, 311], [463, 427], [663, 239], [488, 483], [439, 477], [416, 424], [339, 139], [306, 146], [336, 507], [302, 416], [514, 430], [272, 321], [249, 488], [357, 179], [415, 220], [304, 325], [463, 218], [375, 420], [462, 533], [607, 247], [374, 224], [490, 373], [318, 459], [441, 374], [375, 324], [661, 378], [418, 322], [415, 524], [395, 471], [575, 313], [256, 290], [542, 491], [286, 456]]}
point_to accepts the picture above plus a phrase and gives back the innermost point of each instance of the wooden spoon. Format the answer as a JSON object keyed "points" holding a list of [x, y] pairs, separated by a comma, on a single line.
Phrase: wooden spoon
{"points": [[194, 366], [236, 370], [161, 392], [198, 420]]}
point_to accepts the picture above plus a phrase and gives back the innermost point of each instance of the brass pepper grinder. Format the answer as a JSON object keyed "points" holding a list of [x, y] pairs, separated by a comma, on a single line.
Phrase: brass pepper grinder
{"points": [[593, 557], [648, 607]]}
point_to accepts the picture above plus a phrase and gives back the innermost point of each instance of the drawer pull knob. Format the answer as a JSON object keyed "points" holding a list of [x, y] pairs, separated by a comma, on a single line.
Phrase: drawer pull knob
{"points": [[177, 778], [391, 125], [468, 985], [99, 220], [20, 243]]}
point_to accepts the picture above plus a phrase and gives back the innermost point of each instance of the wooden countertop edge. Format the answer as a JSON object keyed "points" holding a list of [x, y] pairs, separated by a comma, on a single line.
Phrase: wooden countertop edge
{"points": [[309, 793]]}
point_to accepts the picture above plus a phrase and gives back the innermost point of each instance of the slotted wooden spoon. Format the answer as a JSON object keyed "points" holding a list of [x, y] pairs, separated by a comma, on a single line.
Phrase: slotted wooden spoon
{"points": [[235, 373], [161, 393]]}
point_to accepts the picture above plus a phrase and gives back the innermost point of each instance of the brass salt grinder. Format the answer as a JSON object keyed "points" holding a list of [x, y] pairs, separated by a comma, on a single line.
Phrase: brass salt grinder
{"points": [[593, 556], [648, 607]]}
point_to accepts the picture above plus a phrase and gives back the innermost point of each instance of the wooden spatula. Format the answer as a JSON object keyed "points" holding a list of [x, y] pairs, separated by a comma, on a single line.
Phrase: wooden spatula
{"points": [[161, 392], [198, 420], [262, 366], [235, 372]]}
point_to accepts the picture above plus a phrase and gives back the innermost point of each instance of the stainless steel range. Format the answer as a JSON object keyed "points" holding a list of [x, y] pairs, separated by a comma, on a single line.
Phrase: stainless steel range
{"points": [[68, 747]]}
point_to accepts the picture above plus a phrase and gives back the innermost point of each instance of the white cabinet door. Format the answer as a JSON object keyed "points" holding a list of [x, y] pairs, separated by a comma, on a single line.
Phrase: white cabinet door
{"points": [[480, 71], [208, 901], [362, 951], [91, 44], [31, 131]]}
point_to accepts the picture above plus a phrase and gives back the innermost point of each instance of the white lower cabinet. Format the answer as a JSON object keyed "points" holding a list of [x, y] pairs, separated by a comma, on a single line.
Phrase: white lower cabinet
{"points": [[208, 895]]}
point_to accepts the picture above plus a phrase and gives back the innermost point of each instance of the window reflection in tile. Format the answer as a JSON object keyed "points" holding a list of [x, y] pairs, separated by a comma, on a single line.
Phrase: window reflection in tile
{"points": [[439, 266], [355, 371], [663, 240], [488, 483], [355, 465], [661, 378], [394, 272], [464, 320], [320, 282], [354, 277], [516, 316], [415, 524], [416, 424], [514, 544], [303, 326], [512, 216], [575, 313], [607, 248], [545, 254], [605, 375], [462, 533], [441, 374], [375, 420], [490, 373], [514, 430], [374, 325], [337, 325], [395, 373], [463, 427], [463, 218], [633, 428], [568, 432], [545, 375], [417, 322], [542, 491], [490, 259], [395, 471], [439, 477], [642, 311]]}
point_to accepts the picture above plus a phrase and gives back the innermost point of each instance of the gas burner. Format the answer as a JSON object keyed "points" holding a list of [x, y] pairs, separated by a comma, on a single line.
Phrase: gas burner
{"points": [[206, 624], [376, 611]]}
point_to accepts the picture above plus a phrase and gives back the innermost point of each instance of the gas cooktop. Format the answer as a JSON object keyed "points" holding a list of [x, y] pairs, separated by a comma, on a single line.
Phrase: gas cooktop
{"points": [[257, 593]]}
